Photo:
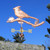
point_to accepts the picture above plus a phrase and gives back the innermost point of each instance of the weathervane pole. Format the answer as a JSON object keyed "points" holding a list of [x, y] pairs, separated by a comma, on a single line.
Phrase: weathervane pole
{"points": [[21, 24], [21, 29]]}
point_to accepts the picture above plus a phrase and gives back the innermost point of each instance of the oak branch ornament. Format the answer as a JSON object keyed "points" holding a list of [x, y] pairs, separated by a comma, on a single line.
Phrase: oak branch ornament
{"points": [[20, 14]]}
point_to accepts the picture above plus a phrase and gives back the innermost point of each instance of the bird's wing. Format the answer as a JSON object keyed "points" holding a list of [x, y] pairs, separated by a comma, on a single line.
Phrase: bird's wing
{"points": [[23, 13]]}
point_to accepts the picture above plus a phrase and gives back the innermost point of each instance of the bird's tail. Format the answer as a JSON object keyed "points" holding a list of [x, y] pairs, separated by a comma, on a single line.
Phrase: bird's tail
{"points": [[36, 22], [33, 18]]}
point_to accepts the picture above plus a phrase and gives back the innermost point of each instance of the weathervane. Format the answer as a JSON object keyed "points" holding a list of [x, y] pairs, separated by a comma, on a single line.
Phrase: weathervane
{"points": [[20, 14], [21, 30]]}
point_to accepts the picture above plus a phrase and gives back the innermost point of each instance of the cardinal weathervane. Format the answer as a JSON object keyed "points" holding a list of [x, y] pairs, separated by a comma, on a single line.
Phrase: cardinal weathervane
{"points": [[20, 14]]}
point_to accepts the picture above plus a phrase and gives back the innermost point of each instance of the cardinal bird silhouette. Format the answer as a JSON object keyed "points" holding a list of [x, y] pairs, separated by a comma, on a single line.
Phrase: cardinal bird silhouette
{"points": [[20, 14]]}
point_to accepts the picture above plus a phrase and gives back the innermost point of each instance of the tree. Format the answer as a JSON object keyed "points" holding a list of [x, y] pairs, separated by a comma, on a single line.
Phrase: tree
{"points": [[18, 39], [2, 39], [49, 48], [48, 20], [48, 29], [48, 6]]}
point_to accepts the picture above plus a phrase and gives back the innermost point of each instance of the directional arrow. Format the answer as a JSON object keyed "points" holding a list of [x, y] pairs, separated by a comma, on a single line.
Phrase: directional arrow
{"points": [[21, 30]]}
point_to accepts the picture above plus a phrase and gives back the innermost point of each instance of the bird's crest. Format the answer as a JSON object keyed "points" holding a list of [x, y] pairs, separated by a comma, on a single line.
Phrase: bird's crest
{"points": [[18, 7]]}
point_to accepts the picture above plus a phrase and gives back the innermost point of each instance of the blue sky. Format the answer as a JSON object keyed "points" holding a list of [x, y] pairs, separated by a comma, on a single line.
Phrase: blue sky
{"points": [[34, 8]]}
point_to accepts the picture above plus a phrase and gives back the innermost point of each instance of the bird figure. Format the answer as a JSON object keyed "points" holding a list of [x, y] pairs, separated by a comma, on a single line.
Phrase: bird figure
{"points": [[20, 14]]}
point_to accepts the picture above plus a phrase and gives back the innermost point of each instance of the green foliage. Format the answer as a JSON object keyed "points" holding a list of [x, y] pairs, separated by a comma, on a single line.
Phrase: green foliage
{"points": [[48, 20], [18, 39], [46, 35], [49, 17], [48, 6], [2, 39], [49, 48], [48, 29]]}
